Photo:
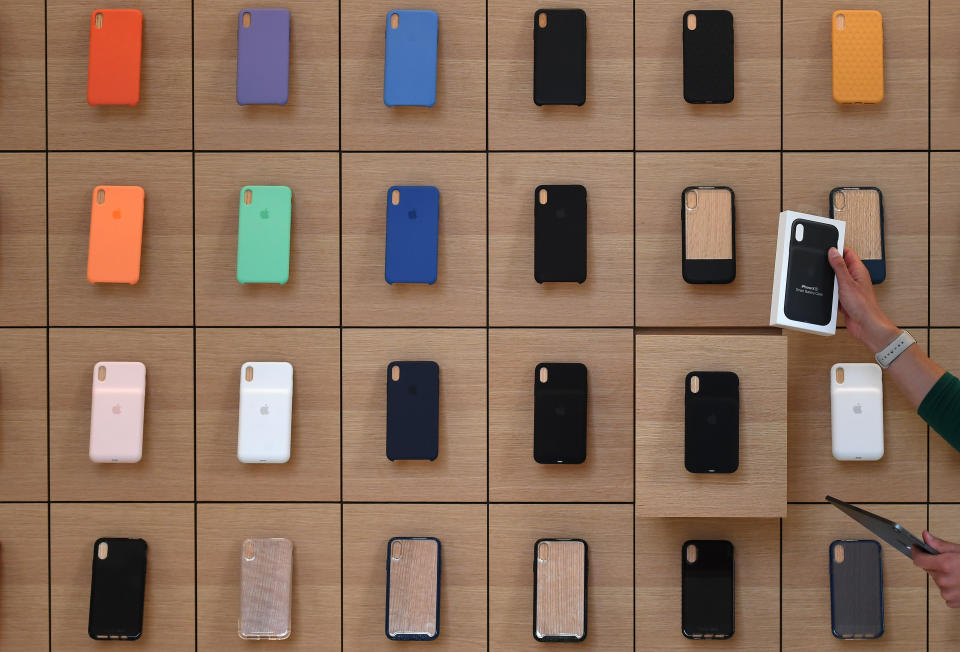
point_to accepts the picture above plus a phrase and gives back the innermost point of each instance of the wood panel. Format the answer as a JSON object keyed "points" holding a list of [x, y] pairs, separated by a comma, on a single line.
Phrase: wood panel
{"points": [[24, 607], [23, 415], [23, 239], [944, 458], [944, 625], [22, 75], [944, 90], [944, 239]]}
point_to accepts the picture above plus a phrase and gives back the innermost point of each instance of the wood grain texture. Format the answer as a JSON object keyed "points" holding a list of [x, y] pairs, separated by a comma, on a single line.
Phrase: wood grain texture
{"points": [[944, 93], [460, 471], [162, 118], [944, 239], [24, 610], [23, 416], [902, 178], [22, 70], [759, 487], [414, 581], [666, 121], [457, 119], [709, 223], [860, 210], [606, 474], [808, 531], [311, 296], [756, 550], [944, 624], [315, 533], [162, 296], [164, 473], [458, 298], [309, 118], [813, 120], [944, 458], [561, 581], [514, 529], [23, 238], [663, 298], [314, 467], [603, 122], [462, 532]]}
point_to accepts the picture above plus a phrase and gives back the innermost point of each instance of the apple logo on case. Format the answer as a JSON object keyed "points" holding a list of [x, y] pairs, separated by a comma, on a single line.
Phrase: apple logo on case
{"points": [[412, 213], [560, 411], [857, 409], [264, 214], [265, 409], [117, 409], [561, 213], [712, 419], [117, 214], [412, 389]]}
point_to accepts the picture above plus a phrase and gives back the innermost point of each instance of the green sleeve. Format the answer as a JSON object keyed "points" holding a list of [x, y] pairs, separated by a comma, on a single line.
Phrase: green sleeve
{"points": [[941, 408]]}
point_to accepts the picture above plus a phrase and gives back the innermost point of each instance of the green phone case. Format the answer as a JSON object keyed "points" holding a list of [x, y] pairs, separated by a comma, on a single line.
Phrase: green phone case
{"points": [[263, 239]]}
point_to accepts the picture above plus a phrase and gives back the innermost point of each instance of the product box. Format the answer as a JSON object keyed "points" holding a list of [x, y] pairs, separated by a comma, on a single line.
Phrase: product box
{"points": [[804, 285]]}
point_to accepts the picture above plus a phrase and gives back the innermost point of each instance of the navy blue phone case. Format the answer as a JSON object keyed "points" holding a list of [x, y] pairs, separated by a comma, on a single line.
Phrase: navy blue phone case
{"points": [[413, 235], [410, 61], [413, 411]]}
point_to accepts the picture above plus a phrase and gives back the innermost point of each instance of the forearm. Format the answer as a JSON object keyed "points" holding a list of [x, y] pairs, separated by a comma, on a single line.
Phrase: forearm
{"points": [[915, 374]]}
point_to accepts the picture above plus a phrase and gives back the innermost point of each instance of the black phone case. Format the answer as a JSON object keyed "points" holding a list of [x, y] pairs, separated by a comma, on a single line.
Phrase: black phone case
{"points": [[856, 590], [707, 590], [536, 580], [877, 268], [116, 590], [708, 58], [705, 270], [560, 57], [809, 291], [560, 235], [712, 423], [560, 414], [413, 411]]}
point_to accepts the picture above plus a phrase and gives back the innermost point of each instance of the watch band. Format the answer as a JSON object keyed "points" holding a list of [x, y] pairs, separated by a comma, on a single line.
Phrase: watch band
{"points": [[893, 350]]}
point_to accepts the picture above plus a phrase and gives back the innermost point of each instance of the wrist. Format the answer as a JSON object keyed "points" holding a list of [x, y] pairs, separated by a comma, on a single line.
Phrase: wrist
{"points": [[880, 337]]}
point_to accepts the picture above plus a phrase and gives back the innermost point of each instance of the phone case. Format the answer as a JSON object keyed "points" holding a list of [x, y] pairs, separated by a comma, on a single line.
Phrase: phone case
{"points": [[708, 57], [413, 589], [707, 589], [263, 56], [856, 589], [116, 411], [810, 279], [263, 238], [413, 410], [560, 413], [410, 62], [117, 586], [560, 590], [708, 225], [712, 422], [560, 57], [413, 224], [116, 234], [857, 38], [560, 234], [113, 67], [266, 589], [862, 209], [266, 412], [856, 410]]}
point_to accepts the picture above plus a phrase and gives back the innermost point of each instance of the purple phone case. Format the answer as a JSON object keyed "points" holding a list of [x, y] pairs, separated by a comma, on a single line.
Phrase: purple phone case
{"points": [[263, 56]]}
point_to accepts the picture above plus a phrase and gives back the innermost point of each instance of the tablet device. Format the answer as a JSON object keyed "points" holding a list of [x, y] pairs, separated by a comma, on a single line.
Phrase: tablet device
{"points": [[889, 531]]}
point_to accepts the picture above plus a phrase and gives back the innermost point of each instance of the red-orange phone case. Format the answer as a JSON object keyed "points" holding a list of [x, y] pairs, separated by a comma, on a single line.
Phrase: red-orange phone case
{"points": [[116, 233], [113, 69]]}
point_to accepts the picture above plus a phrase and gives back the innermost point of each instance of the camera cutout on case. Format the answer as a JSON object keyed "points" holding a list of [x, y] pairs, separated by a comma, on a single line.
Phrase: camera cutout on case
{"points": [[691, 21], [394, 20], [840, 375], [841, 22], [544, 374], [838, 553], [248, 373], [246, 19], [396, 550], [694, 384], [101, 195], [101, 373], [248, 196], [799, 233], [542, 19], [691, 554], [395, 372], [98, 20], [249, 550], [102, 550], [542, 195], [395, 197]]}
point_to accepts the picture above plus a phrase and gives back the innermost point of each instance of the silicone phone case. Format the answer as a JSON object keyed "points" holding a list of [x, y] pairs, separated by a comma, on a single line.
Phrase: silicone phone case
{"points": [[857, 56], [116, 234], [263, 238], [856, 411], [560, 57], [707, 591], [560, 234], [413, 589], [708, 227], [708, 57], [810, 279], [712, 422], [117, 586], [560, 590], [413, 225], [856, 589], [413, 410], [263, 56], [116, 411], [560, 413], [266, 589], [862, 209], [113, 67], [410, 63], [266, 412]]}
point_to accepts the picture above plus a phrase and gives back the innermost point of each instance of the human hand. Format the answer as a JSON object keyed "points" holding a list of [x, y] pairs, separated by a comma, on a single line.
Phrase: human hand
{"points": [[865, 319], [944, 568]]}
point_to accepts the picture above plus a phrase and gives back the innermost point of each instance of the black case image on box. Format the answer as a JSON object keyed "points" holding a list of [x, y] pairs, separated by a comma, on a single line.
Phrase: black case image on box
{"points": [[560, 413], [858, 207], [413, 589], [708, 219], [560, 57], [856, 589], [708, 57], [560, 590], [707, 591], [117, 587], [711, 422], [810, 279], [413, 410], [560, 234]]}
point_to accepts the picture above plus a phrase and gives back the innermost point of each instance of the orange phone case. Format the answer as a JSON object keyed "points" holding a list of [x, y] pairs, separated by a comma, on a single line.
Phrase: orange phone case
{"points": [[857, 37], [113, 69], [116, 233]]}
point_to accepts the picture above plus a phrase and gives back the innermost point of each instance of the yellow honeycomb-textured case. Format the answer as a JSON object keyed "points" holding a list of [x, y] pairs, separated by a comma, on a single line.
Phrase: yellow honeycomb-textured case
{"points": [[857, 37]]}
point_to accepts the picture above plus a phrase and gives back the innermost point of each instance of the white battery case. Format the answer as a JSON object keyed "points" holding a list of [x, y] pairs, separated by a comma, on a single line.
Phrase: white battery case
{"points": [[266, 412], [856, 410]]}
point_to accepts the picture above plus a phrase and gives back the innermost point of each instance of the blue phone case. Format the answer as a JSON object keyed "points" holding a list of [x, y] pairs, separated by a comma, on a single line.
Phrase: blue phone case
{"points": [[412, 235], [263, 57], [410, 64], [413, 411]]}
